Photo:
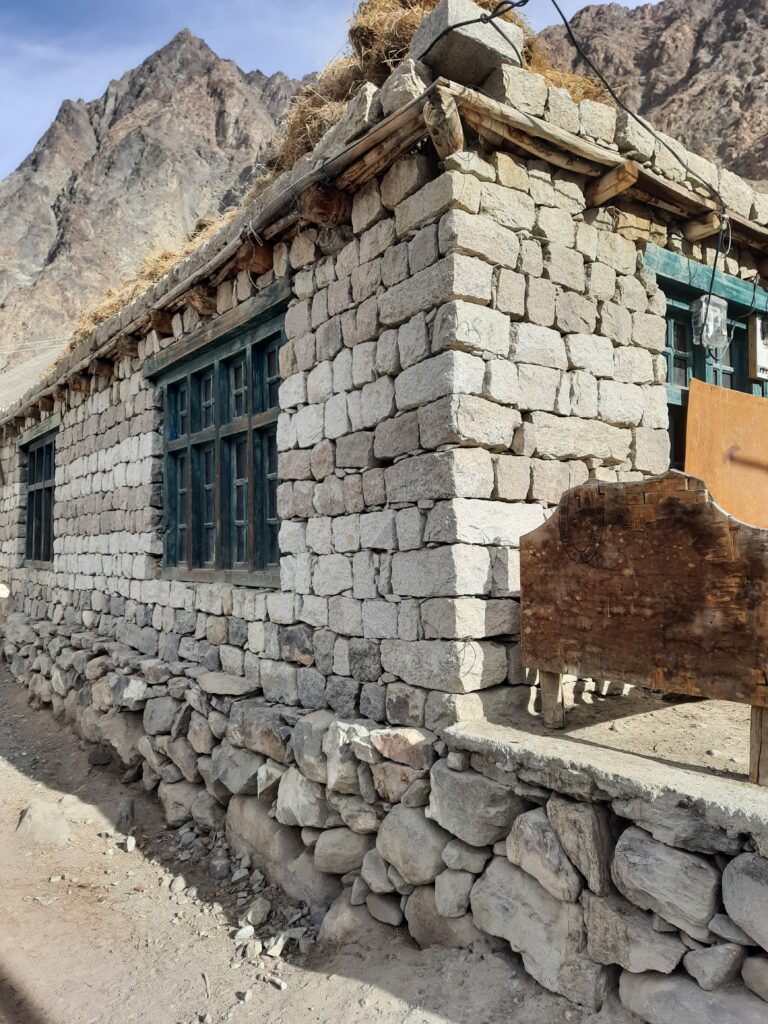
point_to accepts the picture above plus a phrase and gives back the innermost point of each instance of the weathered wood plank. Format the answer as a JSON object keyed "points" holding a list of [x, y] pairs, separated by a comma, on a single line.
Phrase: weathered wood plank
{"points": [[758, 747], [649, 583], [702, 227], [552, 700], [612, 184], [444, 124]]}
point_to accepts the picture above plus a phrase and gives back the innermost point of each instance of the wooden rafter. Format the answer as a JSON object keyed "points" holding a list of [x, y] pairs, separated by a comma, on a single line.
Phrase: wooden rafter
{"points": [[325, 206], [612, 183], [702, 227], [161, 320], [202, 299]]}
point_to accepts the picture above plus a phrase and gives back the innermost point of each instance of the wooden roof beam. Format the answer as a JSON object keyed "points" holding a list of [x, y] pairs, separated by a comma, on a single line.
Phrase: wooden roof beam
{"points": [[325, 206], [202, 299], [702, 227], [613, 183], [443, 122]]}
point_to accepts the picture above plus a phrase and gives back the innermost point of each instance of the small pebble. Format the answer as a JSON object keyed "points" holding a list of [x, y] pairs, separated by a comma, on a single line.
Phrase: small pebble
{"points": [[178, 884], [130, 844], [245, 997]]}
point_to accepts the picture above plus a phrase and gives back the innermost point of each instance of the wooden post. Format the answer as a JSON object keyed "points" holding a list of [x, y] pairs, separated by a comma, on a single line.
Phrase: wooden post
{"points": [[441, 116], [758, 747], [552, 700], [701, 227]]}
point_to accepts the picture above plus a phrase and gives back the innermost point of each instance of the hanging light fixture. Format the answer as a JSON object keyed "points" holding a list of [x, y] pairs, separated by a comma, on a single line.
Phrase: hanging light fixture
{"points": [[710, 323]]}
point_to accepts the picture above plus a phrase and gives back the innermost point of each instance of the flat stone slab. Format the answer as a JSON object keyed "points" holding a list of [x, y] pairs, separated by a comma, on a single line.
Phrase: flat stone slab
{"points": [[573, 770]]}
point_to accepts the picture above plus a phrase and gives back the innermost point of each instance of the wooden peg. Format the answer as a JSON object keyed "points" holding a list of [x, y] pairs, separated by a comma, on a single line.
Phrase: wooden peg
{"points": [[443, 121], [552, 700], [612, 184], [701, 227]]}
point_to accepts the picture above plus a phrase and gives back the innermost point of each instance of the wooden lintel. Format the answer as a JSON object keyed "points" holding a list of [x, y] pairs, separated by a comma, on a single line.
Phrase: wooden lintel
{"points": [[161, 320], [443, 122], [613, 183], [702, 227], [278, 227], [202, 299], [325, 206], [101, 367]]}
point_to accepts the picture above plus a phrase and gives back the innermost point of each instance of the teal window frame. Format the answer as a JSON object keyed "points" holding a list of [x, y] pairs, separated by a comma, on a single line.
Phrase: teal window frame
{"points": [[683, 281], [41, 472], [220, 404]]}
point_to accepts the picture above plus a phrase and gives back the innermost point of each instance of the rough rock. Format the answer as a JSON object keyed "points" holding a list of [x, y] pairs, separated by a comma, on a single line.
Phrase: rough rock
{"points": [[339, 850], [236, 768], [745, 895], [618, 933], [472, 807], [683, 888], [429, 928], [347, 924], [177, 799], [452, 889], [302, 802], [384, 908], [716, 966], [413, 844], [549, 934], [534, 846], [671, 999], [585, 833], [754, 973], [43, 824]]}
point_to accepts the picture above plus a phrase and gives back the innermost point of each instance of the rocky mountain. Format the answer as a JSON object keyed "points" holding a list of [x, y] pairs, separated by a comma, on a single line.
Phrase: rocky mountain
{"points": [[172, 141], [697, 70]]}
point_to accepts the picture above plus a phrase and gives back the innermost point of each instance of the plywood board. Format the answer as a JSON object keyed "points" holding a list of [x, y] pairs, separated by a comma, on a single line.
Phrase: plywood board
{"points": [[649, 583], [727, 447]]}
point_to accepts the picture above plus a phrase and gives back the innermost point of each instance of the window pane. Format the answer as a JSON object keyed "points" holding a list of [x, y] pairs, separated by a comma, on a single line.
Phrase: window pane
{"points": [[239, 499], [208, 510], [238, 387], [680, 337], [680, 371], [206, 399], [46, 541]]}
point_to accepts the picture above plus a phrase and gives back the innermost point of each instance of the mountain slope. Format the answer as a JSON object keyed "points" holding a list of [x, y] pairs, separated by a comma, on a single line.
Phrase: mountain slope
{"points": [[697, 70], [172, 141]]}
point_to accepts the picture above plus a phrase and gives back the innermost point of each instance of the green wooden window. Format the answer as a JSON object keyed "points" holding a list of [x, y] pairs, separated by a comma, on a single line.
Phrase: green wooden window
{"points": [[41, 466], [684, 281], [220, 481]]}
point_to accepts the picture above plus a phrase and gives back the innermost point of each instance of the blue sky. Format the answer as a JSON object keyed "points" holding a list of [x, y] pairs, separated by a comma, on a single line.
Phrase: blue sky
{"points": [[51, 51]]}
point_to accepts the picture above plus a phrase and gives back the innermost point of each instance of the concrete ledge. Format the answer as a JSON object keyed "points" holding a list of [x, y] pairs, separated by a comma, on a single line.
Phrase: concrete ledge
{"points": [[687, 808]]}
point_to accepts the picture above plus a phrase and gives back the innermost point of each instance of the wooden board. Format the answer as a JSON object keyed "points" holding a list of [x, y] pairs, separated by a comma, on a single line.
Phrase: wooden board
{"points": [[648, 583], [727, 446]]}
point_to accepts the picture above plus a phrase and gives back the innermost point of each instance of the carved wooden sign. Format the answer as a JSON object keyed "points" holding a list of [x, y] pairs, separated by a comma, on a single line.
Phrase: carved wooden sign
{"points": [[649, 583]]}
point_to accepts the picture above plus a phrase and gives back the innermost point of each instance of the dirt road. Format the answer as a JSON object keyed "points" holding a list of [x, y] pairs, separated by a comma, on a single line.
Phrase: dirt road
{"points": [[91, 933]]}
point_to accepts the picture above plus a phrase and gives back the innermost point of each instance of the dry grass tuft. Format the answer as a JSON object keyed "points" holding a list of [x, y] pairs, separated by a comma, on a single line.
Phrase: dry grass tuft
{"points": [[152, 268], [380, 33]]}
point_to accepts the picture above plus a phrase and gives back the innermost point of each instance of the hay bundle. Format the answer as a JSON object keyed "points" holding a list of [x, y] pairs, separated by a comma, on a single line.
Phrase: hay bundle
{"points": [[380, 33]]}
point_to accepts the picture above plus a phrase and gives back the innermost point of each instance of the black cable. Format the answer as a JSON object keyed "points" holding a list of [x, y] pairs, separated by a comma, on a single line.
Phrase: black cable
{"points": [[635, 117]]}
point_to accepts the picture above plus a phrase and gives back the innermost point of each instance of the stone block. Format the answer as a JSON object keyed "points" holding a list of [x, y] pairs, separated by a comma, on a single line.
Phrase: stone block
{"points": [[468, 521], [467, 53], [413, 844], [468, 420], [471, 328], [302, 802], [453, 277], [716, 966], [405, 745], [540, 346], [517, 87], [465, 618], [683, 888], [618, 933], [454, 473], [441, 572], [507, 206], [745, 895], [513, 478], [451, 190], [671, 999], [478, 235], [534, 846], [475, 809], [650, 450], [591, 352], [406, 175], [501, 382], [223, 684], [585, 833], [620, 404], [549, 934], [452, 889], [449, 373], [557, 437], [447, 665], [430, 928], [597, 120]]}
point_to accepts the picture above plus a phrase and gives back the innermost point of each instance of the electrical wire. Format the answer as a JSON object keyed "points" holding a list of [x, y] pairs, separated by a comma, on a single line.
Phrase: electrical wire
{"points": [[724, 218]]}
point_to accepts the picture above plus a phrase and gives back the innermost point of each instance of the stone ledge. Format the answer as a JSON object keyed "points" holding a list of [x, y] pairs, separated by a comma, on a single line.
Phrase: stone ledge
{"points": [[675, 797]]}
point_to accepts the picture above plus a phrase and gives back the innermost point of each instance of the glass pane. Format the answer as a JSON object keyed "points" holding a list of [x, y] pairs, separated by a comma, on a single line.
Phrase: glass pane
{"points": [[680, 371], [272, 454], [680, 337], [48, 461], [46, 543], [181, 550], [209, 550]]}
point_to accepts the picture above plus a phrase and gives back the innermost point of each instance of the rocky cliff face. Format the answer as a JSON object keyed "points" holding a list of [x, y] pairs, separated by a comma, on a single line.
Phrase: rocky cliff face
{"points": [[697, 70], [172, 141]]}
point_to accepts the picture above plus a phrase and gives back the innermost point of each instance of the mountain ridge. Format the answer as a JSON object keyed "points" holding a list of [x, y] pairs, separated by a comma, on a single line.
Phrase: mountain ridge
{"points": [[170, 143]]}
